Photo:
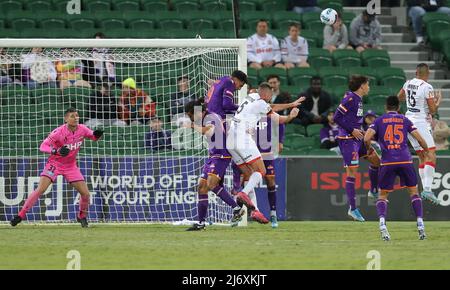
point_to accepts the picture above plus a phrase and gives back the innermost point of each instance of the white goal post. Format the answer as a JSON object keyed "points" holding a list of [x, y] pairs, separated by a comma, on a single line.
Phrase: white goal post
{"points": [[130, 178]]}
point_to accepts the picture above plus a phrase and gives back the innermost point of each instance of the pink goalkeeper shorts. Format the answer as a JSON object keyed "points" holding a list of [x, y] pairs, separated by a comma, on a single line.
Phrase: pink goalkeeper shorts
{"points": [[71, 173]]}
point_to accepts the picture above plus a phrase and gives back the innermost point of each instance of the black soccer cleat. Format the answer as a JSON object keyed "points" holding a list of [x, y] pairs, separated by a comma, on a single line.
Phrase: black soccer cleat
{"points": [[15, 221], [83, 222], [197, 227]]}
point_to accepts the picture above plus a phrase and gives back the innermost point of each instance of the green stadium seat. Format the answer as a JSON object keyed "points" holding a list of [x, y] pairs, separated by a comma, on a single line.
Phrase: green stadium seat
{"points": [[155, 6], [10, 33], [187, 6], [301, 77], [311, 21], [392, 77], [126, 6], [347, 18], [336, 5], [227, 24], [96, 6], [180, 33], [433, 33], [200, 24], [321, 152], [273, 6], [302, 143], [319, 57], [39, 6], [278, 33], [81, 23], [282, 19], [285, 24], [10, 6], [2, 23], [141, 24], [430, 17], [22, 23], [333, 76], [314, 130], [60, 6], [379, 92], [215, 6], [375, 58], [250, 18], [171, 24], [52, 23], [111, 24], [215, 33], [338, 93], [265, 72], [365, 71], [247, 6], [442, 36], [346, 58]]}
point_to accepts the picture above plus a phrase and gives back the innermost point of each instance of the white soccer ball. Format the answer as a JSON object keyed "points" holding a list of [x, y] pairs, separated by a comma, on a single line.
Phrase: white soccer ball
{"points": [[328, 16]]}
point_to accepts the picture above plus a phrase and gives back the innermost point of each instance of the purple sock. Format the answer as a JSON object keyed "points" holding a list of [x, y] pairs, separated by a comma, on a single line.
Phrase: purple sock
{"points": [[373, 175], [236, 178], [381, 208], [225, 196], [202, 207], [416, 203], [351, 194], [272, 195]]}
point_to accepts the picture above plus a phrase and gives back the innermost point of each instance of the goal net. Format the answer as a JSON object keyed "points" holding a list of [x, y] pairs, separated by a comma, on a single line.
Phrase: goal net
{"points": [[146, 166]]}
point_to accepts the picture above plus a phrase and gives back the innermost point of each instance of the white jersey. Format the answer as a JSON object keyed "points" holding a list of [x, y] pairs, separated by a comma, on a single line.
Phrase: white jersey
{"points": [[250, 111], [294, 52], [261, 49], [417, 93]]}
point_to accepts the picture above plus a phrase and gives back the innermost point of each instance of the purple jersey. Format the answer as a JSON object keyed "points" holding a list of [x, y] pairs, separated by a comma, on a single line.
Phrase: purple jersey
{"points": [[391, 133], [264, 134], [329, 133], [220, 97], [217, 142], [349, 115]]}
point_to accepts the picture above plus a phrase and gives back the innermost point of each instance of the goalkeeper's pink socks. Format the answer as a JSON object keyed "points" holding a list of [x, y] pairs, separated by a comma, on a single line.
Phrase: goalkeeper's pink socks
{"points": [[31, 200], [84, 205]]}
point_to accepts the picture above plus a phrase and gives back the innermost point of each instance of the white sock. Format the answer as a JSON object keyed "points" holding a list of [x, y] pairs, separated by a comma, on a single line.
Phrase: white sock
{"points": [[382, 221], [421, 174], [419, 221], [252, 196], [428, 177], [273, 213], [254, 180]]}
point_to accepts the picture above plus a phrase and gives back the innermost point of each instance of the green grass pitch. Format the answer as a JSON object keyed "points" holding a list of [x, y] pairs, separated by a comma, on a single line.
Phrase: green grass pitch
{"points": [[294, 245]]}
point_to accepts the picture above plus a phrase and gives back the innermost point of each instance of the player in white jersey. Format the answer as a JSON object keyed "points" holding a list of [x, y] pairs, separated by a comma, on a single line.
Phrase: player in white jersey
{"points": [[240, 142], [263, 49], [422, 102]]}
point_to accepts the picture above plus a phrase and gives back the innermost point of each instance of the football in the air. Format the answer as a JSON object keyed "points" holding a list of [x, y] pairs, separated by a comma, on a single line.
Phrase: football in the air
{"points": [[328, 16]]}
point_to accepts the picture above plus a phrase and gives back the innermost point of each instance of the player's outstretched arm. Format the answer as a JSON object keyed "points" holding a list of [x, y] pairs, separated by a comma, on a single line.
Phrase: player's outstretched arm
{"points": [[282, 107], [370, 133], [419, 139], [286, 119], [401, 95]]}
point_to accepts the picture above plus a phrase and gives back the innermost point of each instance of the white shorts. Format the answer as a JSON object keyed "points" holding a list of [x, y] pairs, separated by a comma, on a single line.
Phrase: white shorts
{"points": [[424, 130], [241, 146]]}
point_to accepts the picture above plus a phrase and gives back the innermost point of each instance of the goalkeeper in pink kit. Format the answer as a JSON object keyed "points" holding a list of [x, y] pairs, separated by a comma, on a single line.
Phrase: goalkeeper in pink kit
{"points": [[63, 145]]}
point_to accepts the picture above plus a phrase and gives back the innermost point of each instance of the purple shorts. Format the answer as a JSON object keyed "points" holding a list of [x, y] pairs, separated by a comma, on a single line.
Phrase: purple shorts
{"points": [[270, 167], [388, 173], [215, 166], [352, 150]]}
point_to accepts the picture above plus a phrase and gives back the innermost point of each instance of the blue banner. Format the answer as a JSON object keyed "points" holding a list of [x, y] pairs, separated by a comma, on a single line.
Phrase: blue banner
{"points": [[155, 189]]}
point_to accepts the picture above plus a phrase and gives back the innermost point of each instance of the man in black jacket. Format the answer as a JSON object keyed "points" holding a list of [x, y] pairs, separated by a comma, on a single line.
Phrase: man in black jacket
{"points": [[418, 8], [314, 109]]}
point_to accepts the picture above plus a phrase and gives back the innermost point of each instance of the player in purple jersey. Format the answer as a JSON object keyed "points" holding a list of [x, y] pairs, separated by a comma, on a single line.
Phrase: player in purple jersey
{"points": [[349, 117], [391, 131]]}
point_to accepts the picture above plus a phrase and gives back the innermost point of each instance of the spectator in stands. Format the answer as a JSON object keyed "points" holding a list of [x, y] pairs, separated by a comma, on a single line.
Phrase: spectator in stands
{"points": [[278, 96], [183, 96], [418, 8], [158, 138], [315, 108], [263, 49], [135, 106], [365, 32], [101, 70], [369, 118], [103, 109], [329, 132], [37, 69], [294, 48], [5, 69], [336, 36], [441, 132], [303, 6], [70, 71]]}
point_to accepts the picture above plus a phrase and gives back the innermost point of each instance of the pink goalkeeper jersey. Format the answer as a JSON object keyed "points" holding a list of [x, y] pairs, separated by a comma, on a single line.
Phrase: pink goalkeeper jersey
{"points": [[63, 136]]}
